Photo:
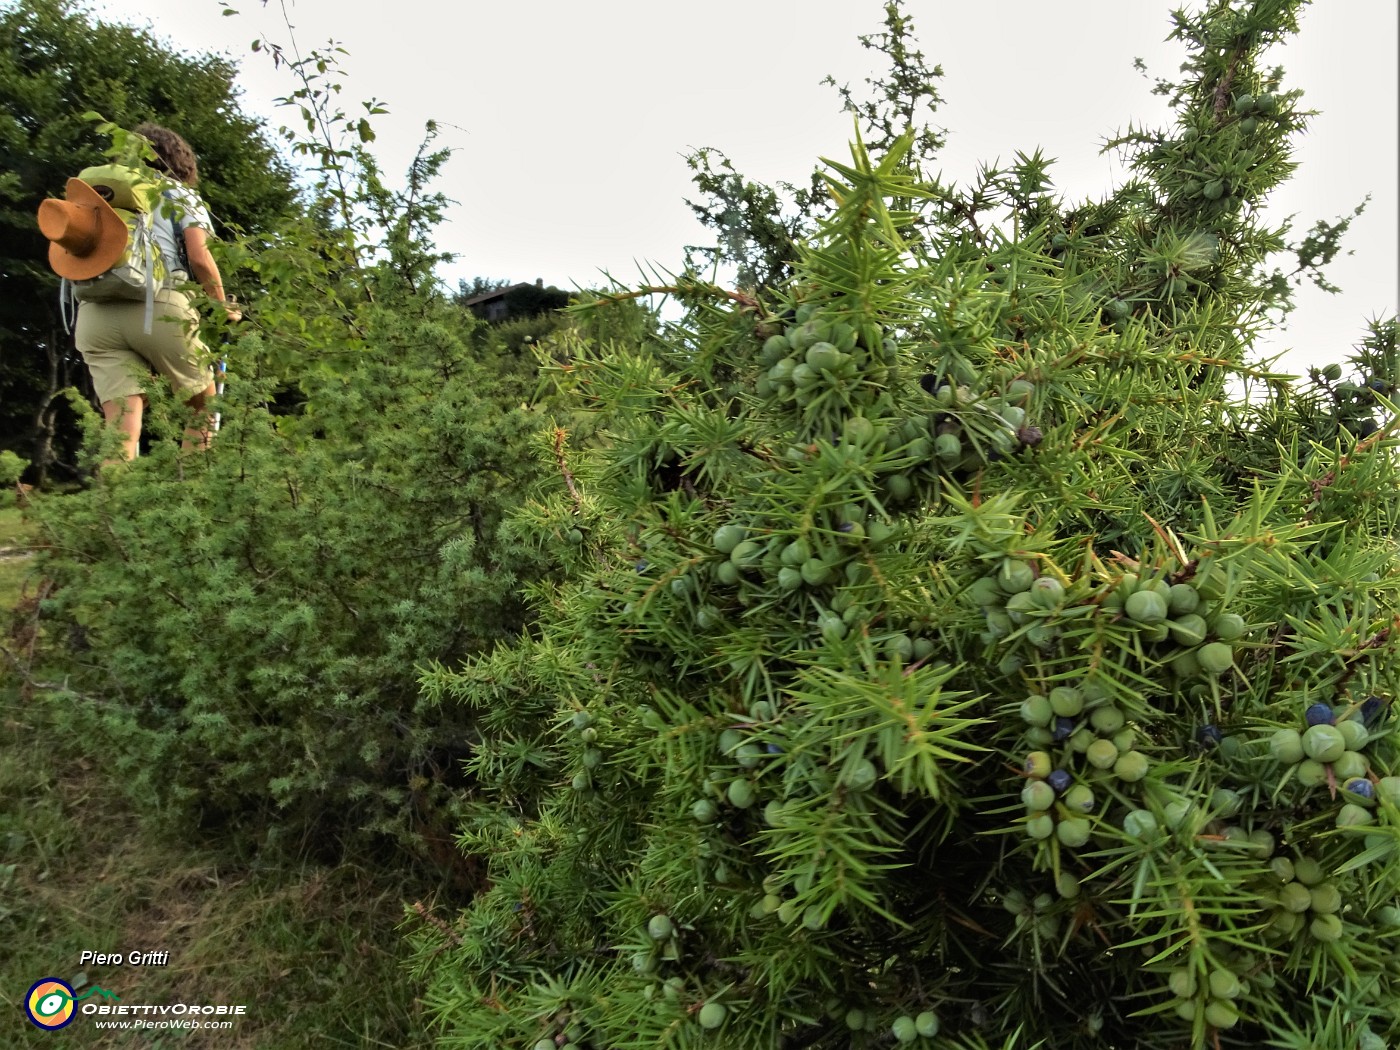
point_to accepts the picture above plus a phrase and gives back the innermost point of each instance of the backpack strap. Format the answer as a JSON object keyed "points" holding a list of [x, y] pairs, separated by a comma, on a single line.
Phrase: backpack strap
{"points": [[177, 225], [151, 248], [67, 304]]}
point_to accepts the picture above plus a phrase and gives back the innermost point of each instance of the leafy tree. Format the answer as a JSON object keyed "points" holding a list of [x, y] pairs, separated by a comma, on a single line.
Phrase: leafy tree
{"points": [[757, 226], [57, 62], [479, 286], [528, 300], [949, 658]]}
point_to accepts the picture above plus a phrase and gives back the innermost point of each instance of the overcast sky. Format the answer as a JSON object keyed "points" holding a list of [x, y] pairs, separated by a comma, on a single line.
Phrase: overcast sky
{"points": [[571, 121]]}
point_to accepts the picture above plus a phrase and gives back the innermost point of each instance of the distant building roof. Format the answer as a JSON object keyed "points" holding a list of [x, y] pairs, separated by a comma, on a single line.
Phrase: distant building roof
{"points": [[500, 293]]}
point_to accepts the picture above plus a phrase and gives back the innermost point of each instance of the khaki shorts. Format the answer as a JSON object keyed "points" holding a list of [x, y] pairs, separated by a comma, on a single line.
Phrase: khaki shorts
{"points": [[120, 355]]}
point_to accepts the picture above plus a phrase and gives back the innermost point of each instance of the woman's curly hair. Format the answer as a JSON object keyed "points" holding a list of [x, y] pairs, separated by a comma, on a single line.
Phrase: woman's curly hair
{"points": [[174, 153]]}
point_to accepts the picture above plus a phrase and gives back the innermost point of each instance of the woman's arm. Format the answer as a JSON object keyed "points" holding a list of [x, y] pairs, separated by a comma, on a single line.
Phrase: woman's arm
{"points": [[205, 270]]}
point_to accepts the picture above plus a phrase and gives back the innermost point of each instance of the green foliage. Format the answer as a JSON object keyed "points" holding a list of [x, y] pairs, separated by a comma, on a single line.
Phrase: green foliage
{"points": [[900, 100], [479, 286], [941, 641], [527, 300], [15, 575], [11, 467], [1352, 407], [756, 229], [757, 226], [250, 620], [253, 617], [57, 63]]}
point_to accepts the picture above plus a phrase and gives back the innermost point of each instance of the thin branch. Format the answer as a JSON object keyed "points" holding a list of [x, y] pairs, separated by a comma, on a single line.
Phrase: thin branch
{"points": [[1222, 89], [560, 434], [1364, 445], [436, 923]]}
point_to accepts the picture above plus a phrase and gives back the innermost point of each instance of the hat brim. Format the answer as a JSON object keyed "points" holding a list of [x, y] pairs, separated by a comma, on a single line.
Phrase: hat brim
{"points": [[109, 244]]}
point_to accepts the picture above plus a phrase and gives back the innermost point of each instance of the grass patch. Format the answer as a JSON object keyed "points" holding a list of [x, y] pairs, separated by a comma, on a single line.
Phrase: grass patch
{"points": [[313, 951], [16, 561], [13, 529]]}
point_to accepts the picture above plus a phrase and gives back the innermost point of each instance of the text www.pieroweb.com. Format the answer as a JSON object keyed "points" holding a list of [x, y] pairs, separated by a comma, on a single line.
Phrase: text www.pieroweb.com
{"points": [[175, 1016]]}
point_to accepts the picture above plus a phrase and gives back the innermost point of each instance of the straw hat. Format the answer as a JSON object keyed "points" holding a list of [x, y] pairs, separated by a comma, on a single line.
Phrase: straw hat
{"points": [[87, 237]]}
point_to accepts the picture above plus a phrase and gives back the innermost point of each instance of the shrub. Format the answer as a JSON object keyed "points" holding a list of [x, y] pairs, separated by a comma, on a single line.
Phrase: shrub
{"points": [[947, 658], [251, 620]]}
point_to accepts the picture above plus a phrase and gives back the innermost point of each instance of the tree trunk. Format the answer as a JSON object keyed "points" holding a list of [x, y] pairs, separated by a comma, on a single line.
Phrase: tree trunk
{"points": [[44, 416]]}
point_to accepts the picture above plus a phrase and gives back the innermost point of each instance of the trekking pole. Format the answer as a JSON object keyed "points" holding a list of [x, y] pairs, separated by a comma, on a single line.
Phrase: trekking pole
{"points": [[219, 373], [221, 369]]}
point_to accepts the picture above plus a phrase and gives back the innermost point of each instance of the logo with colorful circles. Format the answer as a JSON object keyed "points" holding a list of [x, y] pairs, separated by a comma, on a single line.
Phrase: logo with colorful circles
{"points": [[49, 1003]]}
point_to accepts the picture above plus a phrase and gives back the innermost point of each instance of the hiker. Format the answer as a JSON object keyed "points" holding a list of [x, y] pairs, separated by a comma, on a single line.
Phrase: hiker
{"points": [[124, 338]]}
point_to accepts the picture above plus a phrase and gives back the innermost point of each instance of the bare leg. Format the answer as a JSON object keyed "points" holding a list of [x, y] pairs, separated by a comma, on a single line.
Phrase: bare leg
{"points": [[201, 433], [124, 414]]}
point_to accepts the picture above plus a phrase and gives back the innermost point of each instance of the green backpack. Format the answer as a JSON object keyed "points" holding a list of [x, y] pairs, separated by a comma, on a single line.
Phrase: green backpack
{"points": [[137, 195]]}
